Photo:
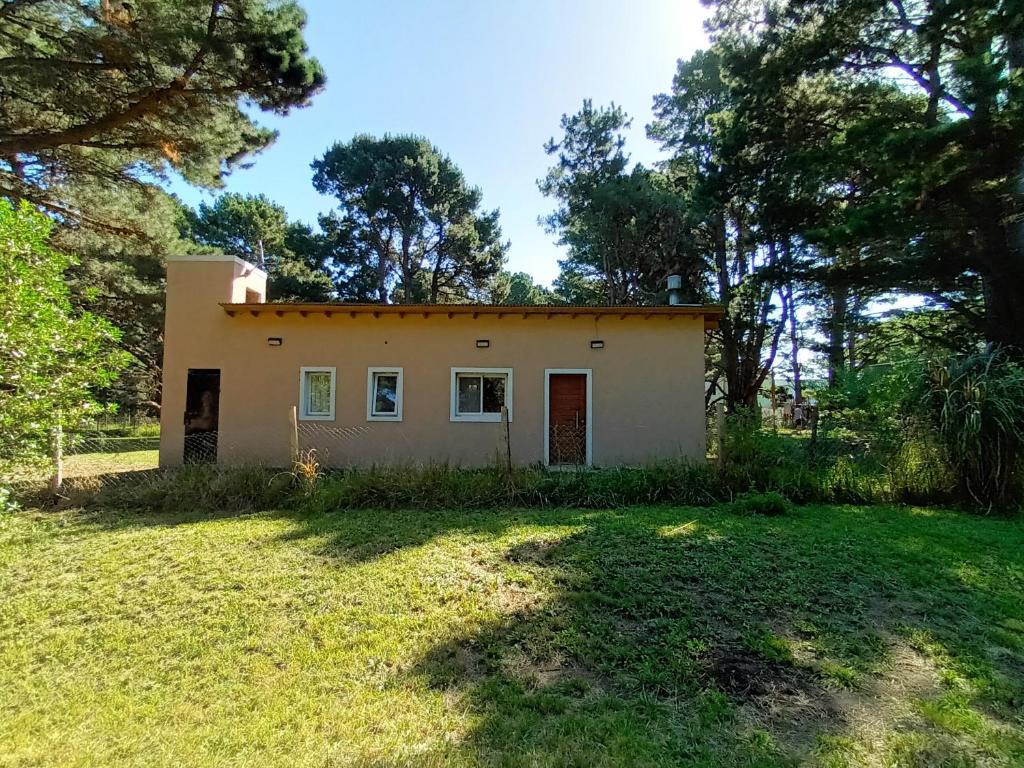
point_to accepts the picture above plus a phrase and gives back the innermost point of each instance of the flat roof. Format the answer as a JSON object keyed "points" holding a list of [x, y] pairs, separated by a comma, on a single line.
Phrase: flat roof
{"points": [[710, 312]]}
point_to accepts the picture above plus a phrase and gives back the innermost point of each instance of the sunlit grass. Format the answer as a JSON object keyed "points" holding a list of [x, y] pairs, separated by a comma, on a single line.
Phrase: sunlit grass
{"points": [[650, 636], [90, 464]]}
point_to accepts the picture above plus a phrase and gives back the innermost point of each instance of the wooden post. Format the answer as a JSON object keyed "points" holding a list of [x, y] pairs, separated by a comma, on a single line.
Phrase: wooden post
{"points": [[720, 431], [293, 433], [57, 480], [508, 439]]}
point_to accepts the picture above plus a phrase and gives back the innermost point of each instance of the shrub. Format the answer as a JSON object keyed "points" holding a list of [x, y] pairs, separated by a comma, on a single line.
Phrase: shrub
{"points": [[976, 405], [201, 487], [53, 357], [439, 486], [769, 504]]}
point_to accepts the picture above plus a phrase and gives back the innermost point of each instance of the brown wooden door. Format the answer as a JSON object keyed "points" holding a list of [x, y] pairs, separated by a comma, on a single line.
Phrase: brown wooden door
{"points": [[567, 418]]}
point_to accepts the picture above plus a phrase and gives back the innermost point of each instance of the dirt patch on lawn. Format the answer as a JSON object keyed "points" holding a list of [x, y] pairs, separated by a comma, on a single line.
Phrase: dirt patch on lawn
{"points": [[788, 700], [534, 551], [542, 673], [795, 704]]}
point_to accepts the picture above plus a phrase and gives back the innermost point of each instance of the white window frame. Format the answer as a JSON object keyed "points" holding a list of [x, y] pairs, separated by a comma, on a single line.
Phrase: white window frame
{"points": [[589, 372], [371, 392], [454, 414], [304, 414]]}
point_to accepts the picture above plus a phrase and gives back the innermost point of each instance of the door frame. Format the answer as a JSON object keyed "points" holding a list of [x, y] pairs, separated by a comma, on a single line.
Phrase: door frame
{"points": [[218, 372], [589, 373]]}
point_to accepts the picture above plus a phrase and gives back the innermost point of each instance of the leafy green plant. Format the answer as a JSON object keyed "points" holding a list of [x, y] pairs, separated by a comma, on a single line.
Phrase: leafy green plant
{"points": [[8, 502], [976, 405], [769, 504], [51, 358]]}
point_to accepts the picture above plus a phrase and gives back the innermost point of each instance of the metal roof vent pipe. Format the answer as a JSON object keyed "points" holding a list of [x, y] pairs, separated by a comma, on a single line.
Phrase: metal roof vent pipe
{"points": [[675, 290]]}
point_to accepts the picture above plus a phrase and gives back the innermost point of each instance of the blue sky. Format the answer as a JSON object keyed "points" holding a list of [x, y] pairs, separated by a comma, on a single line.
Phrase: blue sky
{"points": [[485, 81]]}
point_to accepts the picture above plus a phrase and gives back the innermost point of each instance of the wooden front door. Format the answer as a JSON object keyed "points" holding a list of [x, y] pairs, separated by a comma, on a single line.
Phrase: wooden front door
{"points": [[567, 418]]}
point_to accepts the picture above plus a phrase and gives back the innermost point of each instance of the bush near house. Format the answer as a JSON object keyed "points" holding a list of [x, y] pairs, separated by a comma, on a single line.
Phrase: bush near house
{"points": [[52, 358]]}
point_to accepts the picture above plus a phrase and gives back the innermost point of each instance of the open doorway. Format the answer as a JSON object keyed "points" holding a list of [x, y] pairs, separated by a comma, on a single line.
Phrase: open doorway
{"points": [[202, 411]]}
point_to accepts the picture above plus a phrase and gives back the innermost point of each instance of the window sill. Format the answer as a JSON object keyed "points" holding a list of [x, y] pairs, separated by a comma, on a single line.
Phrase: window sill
{"points": [[316, 417], [371, 417], [478, 418]]}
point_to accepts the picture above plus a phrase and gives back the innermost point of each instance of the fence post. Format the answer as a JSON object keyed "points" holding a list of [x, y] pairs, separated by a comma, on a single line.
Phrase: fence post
{"points": [[720, 431], [508, 441], [293, 433], [57, 446]]}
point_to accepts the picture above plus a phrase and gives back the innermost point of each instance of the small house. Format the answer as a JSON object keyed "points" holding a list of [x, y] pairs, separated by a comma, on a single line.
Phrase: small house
{"points": [[246, 381]]}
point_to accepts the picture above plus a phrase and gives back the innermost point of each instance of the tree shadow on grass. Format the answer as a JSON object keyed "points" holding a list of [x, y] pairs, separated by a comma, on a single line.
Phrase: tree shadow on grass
{"points": [[732, 641], [697, 637]]}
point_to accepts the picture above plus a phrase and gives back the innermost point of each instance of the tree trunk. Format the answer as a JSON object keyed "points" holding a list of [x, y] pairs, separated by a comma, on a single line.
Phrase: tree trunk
{"points": [[836, 333], [726, 326], [435, 281], [382, 277], [852, 326], [1001, 252], [794, 342]]}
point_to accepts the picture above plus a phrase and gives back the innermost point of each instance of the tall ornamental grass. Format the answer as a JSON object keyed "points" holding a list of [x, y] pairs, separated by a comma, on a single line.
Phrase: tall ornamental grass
{"points": [[976, 407]]}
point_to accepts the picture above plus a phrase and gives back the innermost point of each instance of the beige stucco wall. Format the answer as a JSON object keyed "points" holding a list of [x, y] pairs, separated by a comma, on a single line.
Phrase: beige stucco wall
{"points": [[648, 380]]}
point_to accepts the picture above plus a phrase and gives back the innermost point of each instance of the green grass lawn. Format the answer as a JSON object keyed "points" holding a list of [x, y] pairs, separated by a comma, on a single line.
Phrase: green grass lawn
{"points": [[98, 463], [664, 636]]}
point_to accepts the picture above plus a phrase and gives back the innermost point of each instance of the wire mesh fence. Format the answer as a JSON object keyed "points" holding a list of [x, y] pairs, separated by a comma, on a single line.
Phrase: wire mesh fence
{"points": [[95, 459], [332, 445]]}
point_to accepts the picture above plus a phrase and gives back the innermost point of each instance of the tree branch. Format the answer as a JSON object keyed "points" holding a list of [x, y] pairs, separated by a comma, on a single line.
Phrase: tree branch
{"points": [[150, 101]]}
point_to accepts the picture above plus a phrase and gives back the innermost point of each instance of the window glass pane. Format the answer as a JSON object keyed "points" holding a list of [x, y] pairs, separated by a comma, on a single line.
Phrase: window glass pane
{"points": [[385, 393], [494, 393], [318, 392], [469, 394]]}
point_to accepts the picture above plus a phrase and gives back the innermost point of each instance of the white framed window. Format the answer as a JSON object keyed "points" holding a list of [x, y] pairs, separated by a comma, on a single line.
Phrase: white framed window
{"points": [[479, 393], [384, 394], [316, 393]]}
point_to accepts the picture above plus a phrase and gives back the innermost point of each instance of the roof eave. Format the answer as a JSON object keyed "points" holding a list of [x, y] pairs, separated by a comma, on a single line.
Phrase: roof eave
{"points": [[710, 313]]}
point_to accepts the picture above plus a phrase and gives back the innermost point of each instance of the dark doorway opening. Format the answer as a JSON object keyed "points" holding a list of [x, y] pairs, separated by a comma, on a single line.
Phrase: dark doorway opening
{"points": [[567, 419], [202, 410]]}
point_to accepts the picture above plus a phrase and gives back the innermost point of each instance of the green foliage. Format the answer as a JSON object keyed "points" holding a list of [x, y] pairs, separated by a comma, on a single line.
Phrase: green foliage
{"points": [[253, 228], [205, 487], [121, 279], [976, 405], [770, 504], [922, 177], [626, 230], [953, 427], [102, 97], [742, 243], [835, 471], [522, 291], [889, 463], [52, 359], [927, 333], [8, 503], [409, 228]]}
